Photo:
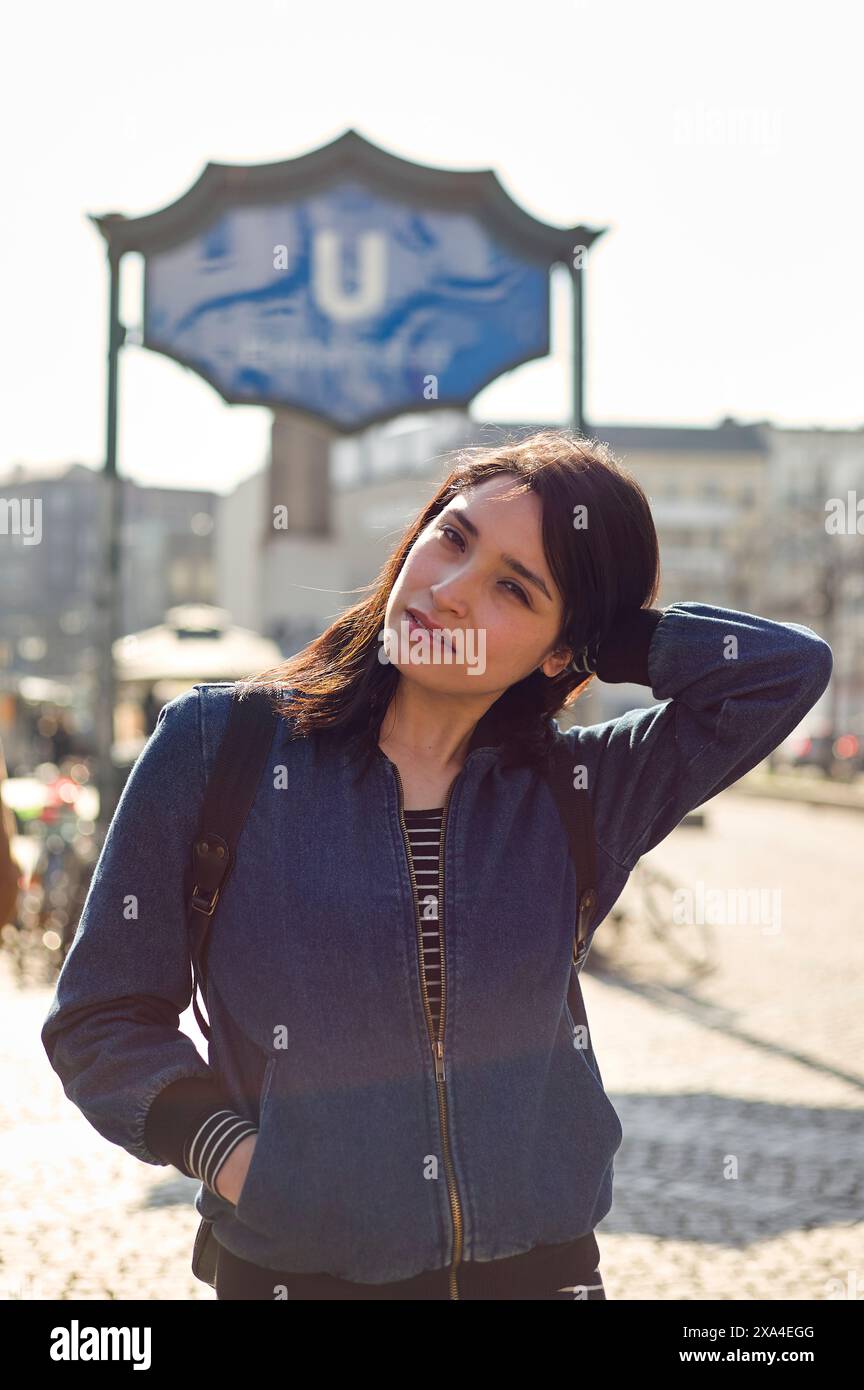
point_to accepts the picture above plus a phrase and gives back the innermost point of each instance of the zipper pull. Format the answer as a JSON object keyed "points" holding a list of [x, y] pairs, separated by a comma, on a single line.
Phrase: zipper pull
{"points": [[438, 1049]]}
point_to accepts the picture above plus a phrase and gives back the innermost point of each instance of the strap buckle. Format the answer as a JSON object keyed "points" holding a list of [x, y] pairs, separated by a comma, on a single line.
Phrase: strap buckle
{"points": [[202, 904], [211, 859]]}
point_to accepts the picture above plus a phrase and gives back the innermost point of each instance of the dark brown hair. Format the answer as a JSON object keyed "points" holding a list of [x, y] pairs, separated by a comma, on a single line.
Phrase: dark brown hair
{"points": [[604, 571]]}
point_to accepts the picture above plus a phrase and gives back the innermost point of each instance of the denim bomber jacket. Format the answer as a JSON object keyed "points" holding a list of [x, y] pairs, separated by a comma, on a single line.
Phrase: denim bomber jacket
{"points": [[374, 1160]]}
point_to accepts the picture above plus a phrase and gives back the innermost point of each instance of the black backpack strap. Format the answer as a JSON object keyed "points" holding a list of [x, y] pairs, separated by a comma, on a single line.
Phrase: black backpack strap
{"points": [[228, 797], [575, 810]]}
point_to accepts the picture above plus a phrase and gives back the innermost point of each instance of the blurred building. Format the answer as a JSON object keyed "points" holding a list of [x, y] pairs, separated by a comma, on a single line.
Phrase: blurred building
{"points": [[814, 538], [49, 590]]}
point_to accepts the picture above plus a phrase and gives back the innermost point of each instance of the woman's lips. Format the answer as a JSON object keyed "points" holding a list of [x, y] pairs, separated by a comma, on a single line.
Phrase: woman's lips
{"points": [[422, 619], [416, 624]]}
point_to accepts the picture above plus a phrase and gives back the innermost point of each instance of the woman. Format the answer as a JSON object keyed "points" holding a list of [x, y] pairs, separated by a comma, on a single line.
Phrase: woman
{"points": [[397, 1102]]}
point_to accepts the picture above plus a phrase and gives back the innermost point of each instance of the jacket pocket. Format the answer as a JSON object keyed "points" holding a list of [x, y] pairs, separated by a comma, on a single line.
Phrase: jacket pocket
{"points": [[585, 1062], [252, 1172]]}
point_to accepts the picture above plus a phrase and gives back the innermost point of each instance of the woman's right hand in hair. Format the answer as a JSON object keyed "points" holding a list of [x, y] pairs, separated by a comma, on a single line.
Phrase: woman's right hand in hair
{"points": [[232, 1174]]}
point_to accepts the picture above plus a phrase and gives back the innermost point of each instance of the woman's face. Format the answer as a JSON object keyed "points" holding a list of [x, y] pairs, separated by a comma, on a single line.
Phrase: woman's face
{"points": [[500, 625]]}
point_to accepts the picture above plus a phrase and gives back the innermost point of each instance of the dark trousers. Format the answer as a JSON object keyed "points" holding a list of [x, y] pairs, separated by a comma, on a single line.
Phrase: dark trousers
{"points": [[552, 1273]]}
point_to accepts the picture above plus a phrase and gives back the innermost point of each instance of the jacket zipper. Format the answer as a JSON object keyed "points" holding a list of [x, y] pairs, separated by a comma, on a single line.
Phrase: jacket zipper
{"points": [[437, 1042]]}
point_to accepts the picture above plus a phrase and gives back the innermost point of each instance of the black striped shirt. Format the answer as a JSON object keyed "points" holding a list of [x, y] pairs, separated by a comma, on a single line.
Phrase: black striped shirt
{"points": [[424, 836]]}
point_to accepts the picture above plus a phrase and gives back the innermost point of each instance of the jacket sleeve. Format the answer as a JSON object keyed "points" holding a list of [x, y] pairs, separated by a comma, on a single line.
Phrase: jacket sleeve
{"points": [[733, 686], [112, 1031]]}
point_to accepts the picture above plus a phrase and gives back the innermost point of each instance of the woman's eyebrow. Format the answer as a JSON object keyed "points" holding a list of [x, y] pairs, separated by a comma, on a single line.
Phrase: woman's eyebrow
{"points": [[510, 560]]}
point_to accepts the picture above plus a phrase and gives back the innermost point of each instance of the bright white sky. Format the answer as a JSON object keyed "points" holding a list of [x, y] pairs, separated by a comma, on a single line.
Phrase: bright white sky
{"points": [[729, 283]]}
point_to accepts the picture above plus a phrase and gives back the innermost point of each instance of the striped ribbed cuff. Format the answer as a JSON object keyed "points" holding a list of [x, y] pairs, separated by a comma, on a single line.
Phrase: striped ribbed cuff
{"points": [[209, 1146]]}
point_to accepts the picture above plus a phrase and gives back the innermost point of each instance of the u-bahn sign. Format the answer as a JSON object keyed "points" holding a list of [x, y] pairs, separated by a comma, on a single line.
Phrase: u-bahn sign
{"points": [[348, 285]]}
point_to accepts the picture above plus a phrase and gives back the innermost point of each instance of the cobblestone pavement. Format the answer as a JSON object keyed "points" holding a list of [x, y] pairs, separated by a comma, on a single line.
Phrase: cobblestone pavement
{"points": [[740, 1175], [760, 1062]]}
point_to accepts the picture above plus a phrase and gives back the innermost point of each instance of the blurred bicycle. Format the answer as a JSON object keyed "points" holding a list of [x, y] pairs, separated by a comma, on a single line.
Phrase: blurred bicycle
{"points": [[56, 812], [646, 912]]}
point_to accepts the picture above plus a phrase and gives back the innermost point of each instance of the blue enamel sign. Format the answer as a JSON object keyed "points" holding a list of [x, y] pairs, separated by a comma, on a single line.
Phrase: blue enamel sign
{"points": [[346, 304], [348, 284]]}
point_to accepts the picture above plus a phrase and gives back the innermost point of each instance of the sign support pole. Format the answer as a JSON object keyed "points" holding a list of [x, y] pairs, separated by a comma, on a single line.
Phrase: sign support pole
{"points": [[109, 579], [578, 406]]}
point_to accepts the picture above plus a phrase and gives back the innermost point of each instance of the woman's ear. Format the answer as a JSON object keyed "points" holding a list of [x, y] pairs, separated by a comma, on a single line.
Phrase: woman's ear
{"points": [[557, 661]]}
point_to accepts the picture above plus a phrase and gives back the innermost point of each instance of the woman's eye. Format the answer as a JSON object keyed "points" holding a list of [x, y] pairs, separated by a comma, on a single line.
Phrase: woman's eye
{"points": [[520, 593], [515, 589], [453, 532]]}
